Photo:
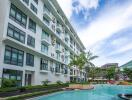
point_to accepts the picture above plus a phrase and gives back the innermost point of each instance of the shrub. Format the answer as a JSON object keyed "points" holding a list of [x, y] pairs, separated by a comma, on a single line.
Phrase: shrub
{"points": [[59, 82], [22, 89], [46, 82], [22, 97], [9, 83]]}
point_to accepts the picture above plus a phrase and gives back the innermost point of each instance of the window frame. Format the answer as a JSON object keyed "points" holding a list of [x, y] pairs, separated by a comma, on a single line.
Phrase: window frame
{"points": [[44, 48], [31, 41], [29, 60], [32, 25], [17, 31], [10, 59], [26, 1], [43, 64], [14, 17], [34, 9]]}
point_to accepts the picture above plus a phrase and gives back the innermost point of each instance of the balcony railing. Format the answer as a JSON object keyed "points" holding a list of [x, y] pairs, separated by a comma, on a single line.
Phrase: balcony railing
{"points": [[59, 27], [57, 70], [47, 14], [45, 40], [44, 69]]}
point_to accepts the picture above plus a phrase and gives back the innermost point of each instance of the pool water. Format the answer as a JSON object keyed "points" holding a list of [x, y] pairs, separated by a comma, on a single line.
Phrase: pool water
{"points": [[101, 92]]}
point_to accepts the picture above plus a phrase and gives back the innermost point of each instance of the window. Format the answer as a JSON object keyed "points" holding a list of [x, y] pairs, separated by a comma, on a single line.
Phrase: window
{"points": [[58, 55], [46, 8], [13, 56], [32, 25], [66, 59], [44, 64], [59, 33], [65, 70], [31, 41], [18, 16], [47, 22], [57, 68], [15, 33], [33, 8], [14, 75], [44, 48], [29, 59], [26, 1], [45, 35], [71, 40], [57, 45], [71, 71], [36, 1]]}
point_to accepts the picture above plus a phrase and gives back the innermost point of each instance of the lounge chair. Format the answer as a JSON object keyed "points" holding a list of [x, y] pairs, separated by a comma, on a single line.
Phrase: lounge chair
{"points": [[125, 96]]}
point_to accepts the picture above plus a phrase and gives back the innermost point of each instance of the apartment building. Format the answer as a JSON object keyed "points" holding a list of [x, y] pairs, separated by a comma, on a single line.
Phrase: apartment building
{"points": [[36, 43]]}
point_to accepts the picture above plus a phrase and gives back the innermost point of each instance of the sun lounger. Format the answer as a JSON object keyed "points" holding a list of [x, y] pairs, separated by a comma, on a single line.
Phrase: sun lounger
{"points": [[125, 96]]}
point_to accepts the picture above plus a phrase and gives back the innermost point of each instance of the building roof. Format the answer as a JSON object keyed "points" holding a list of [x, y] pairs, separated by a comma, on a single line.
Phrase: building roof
{"points": [[127, 65], [110, 65]]}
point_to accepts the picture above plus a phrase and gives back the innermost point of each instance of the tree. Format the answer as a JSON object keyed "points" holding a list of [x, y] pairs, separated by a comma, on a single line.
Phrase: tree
{"points": [[89, 66], [94, 72], [78, 60], [83, 61], [128, 72], [110, 73]]}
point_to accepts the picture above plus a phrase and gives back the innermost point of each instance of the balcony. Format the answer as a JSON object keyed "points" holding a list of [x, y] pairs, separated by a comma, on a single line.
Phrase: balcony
{"points": [[44, 69], [45, 41], [66, 37], [57, 71], [47, 14], [65, 71], [71, 45], [58, 49], [52, 69], [66, 54], [59, 28]]}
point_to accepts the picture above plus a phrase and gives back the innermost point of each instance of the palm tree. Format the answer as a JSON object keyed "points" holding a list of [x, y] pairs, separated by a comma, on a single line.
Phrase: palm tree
{"points": [[94, 72], [89, 66], [78, 60], [83, 61]]}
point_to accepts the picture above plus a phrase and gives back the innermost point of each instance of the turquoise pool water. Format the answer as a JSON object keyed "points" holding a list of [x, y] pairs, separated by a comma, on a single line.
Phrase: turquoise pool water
{"points": [[101, 92]]}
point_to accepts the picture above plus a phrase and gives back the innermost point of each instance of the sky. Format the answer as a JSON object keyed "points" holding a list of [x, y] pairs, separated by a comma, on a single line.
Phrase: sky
{"points": [[104, 27]]}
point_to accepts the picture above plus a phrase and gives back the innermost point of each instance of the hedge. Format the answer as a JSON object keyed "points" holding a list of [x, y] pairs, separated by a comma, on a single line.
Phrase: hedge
{"points": [[29, 95], [32, 87]]}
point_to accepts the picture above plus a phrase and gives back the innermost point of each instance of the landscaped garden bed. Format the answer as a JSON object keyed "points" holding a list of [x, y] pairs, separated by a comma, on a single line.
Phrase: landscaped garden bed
{"points": [[34, 94], [6, 92]]}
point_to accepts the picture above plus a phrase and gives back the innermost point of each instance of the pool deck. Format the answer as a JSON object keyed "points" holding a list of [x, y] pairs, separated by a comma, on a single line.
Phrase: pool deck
{"points": [[79, 87]]}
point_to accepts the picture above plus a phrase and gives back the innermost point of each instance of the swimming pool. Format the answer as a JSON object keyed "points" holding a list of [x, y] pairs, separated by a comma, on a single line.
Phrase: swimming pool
{"points": [[101, 92]]}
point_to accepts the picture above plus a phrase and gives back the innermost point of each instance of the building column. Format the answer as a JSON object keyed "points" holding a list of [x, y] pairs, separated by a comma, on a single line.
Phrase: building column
{"points": [[1, 72], [23, 78]]}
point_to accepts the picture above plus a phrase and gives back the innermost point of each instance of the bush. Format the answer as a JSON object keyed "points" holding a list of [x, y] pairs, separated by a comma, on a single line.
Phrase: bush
{"points": [[59, 82], [24, 96], [9, 83], [46, 82], [22, 89]]}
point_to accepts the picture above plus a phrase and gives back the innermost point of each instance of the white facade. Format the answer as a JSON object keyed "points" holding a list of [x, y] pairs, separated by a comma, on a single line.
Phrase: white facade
{"points": [[31, 30]]}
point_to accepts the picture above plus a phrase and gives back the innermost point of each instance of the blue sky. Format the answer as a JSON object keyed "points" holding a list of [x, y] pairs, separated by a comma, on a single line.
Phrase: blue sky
{"points": [[104, 26]]}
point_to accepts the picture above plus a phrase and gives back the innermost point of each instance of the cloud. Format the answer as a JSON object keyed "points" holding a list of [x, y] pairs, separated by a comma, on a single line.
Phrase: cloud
{"points": [[66, 6], [119, 42], [84, 6], [108, 22], [122, 49]]}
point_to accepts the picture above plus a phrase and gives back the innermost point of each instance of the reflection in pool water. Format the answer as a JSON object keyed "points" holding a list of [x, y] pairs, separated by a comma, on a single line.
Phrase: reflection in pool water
{"points": [[101, 92]]}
